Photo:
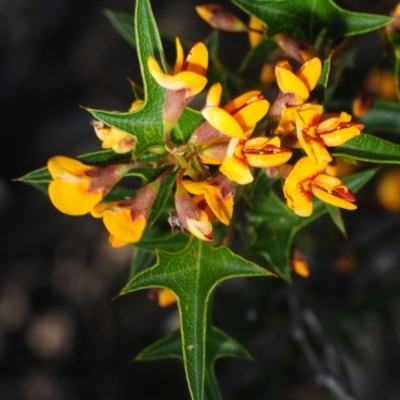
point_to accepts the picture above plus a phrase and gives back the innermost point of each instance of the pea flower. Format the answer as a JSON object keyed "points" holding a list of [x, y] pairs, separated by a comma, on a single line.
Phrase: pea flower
{"points": [[294, 90], [306, 180], [256, 31], [126, 220], [316, 132], [239, 117], [218, 193], [187, 80], [191, 217], [76, 188], [301, 83], [113, 138], [220, 18], [260, 152]]}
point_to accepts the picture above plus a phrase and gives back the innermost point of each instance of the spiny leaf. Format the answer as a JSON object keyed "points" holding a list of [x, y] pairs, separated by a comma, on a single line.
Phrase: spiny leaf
{"points": [[311, 18], [191, 275], [274, 225], [370, 149]]}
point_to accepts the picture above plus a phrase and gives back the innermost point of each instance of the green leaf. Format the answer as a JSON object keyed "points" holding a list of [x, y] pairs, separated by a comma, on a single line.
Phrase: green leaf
{"points": [[370, 149], [384, 116], [309, 19], [394, 38], [219, 345], [170, 242], [326, 69], [336, 216], [191, 275], [274, 225], [123, 23]]}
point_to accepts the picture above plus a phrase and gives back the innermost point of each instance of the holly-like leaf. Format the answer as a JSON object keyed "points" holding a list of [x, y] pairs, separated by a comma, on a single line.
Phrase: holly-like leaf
{"points": [[309, 19], [384, 116], [219, 345], [274, 225], [370, 149], [191, 275], [154, 240]]}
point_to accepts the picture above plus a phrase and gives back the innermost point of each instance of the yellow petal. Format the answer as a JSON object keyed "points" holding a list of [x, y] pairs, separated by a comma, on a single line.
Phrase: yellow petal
{"points": [[255, 24], [179, 62], [265, 152], [197, 59], [73, 198], [332, 199], [251, 113], [340, 136], [297, 187], [192, 82], [223, 121], [241, 100], [214, 95], [235, 167], [61, 167], [136, 105], [288, 82], [166, 298], [121, 226], [201, 228], [310, 72], [287, 124], [156, 72]]}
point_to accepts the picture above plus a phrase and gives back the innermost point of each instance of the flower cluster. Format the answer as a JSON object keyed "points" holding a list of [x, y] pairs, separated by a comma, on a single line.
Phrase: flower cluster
{"points": [[245, 133]]}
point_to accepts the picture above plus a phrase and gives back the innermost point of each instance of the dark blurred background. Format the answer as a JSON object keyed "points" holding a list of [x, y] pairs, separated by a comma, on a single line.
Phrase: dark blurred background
{"points": [[333, 335]]}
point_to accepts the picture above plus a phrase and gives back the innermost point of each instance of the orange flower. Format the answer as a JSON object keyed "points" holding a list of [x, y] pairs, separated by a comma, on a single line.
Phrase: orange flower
{"points": [[220, 18], [239, 117], [315, 132], [190, 216], [218, 193], [127, 219], [306, 180], [260, 152], [188, 74], [113, 138], [77, 187], [301, 83]]}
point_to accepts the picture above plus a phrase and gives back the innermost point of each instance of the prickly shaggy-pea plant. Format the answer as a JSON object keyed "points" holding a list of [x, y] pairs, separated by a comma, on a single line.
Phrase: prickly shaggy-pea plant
{"points": [[261, 160]]}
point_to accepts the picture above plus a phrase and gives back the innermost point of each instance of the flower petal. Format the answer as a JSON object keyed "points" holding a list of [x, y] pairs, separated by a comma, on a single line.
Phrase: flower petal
{"points": [[121, 226], [251, 113], [214, 95], [265, 152], [73, 198], [197, 59], [288, 82], [235, 167], [241, 100], [223, 121], [179, 62], [340, 136], [201, 228], [61, 167], [310, 72]]}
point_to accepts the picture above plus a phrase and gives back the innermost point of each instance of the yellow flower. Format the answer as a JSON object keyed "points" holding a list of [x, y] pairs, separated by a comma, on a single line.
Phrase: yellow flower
{"points": [[191, 217], [260, 152], [220, 18], [188, 74], [256, 31], [218, 193], [126, 219], [239, 117], [315, 132], [300, 84], [76, 188], [113, 138], [166, 298], [306, 180]]}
